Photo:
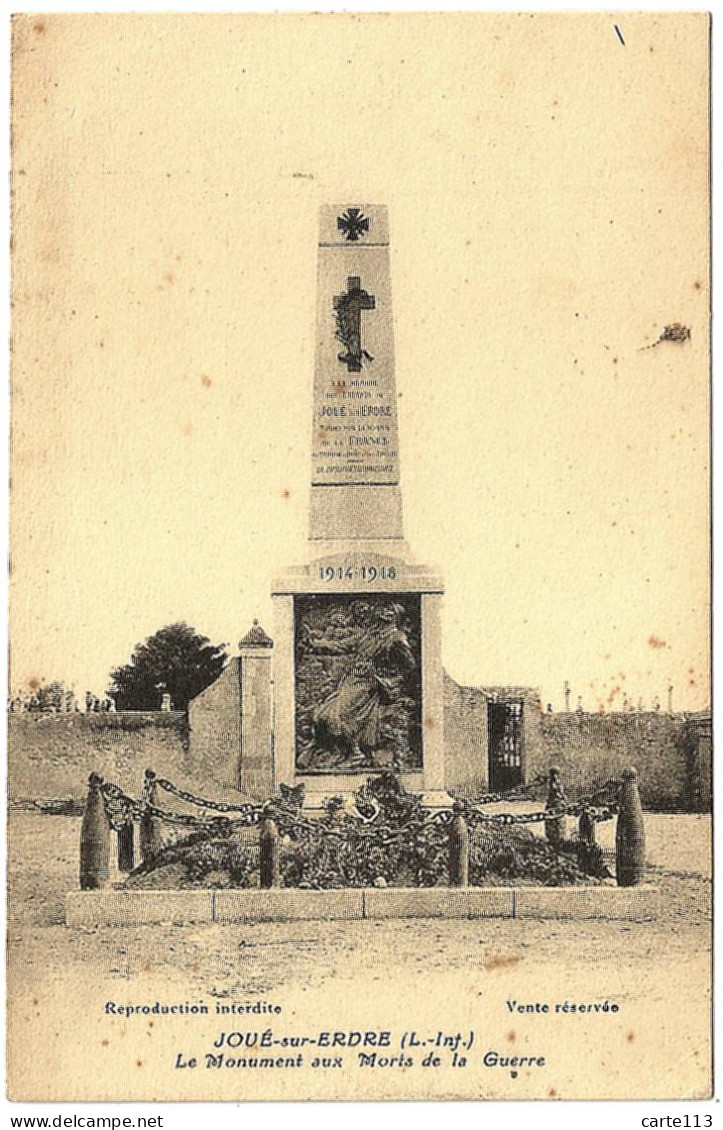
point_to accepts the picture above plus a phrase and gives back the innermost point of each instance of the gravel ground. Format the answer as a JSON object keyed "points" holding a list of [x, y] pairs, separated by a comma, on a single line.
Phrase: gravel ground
{"points": [[42, 865]]}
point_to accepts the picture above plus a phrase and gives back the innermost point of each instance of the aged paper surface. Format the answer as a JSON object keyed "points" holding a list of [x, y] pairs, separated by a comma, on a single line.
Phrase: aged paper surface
{"points": [[545, 179]]}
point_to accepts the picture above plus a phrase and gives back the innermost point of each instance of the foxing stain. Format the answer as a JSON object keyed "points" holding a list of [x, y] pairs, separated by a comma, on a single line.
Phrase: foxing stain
{"points": [[501, 962]]}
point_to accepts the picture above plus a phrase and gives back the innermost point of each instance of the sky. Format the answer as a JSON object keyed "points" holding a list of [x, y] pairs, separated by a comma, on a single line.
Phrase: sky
{"points": [[547, 188]]}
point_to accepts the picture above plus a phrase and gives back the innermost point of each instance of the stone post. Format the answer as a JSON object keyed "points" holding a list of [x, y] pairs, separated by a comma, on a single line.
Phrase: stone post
{"points": [[126, 852], [256, 752], [555, 830], [458, 838], [150, 837], [270, 866], [94, 839], [586, 828], [630, 833]]}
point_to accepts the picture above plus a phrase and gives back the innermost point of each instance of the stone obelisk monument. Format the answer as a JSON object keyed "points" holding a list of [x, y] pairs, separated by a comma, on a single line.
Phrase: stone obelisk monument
{"points": [[355, 493], [357, 669]]}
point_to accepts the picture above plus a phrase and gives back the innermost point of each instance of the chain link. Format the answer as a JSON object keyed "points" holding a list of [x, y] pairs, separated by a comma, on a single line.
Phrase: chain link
{"points": [[509, 794], [597, 815], [119, 808], [202, 802], [122, 809]]}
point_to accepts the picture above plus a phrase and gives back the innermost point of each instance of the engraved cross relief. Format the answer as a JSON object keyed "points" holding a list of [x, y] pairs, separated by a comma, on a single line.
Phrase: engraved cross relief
{"points": [[348, 310], [352, 224]]}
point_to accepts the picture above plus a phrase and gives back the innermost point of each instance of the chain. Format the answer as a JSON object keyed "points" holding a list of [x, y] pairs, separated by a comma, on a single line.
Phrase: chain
{"points": [[600, 794], [119, 808], [191, 798], [598, 815], [509, 794], [122, 809]]}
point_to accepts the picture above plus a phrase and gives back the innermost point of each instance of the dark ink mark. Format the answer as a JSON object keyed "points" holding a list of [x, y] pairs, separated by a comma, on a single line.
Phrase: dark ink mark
{"points": [[675, 332], [619, 34]]}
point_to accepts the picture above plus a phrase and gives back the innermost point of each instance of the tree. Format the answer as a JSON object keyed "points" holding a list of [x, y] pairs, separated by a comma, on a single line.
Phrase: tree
{"points": [[176, 660]]}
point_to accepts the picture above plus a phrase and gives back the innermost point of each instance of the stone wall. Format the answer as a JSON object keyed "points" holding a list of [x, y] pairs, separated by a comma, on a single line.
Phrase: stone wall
{"points": [[672, 752], [465, 733], [590, 748], [51, 755], [465, 739], [214, 719]]}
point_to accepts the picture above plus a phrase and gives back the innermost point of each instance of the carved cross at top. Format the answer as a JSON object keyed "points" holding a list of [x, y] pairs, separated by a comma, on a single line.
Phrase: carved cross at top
{"points": [[352, 224], [348, 309]]}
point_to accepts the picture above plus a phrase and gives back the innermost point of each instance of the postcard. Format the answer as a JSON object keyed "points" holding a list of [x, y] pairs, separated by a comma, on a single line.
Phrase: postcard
{"points": [[359, 730]]}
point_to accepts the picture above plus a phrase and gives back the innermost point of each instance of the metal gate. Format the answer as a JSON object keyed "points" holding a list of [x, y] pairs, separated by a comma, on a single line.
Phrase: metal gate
{"points": [[504, 743]]}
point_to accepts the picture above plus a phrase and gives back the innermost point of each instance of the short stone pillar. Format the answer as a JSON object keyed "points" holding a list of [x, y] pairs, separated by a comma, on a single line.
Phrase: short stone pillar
{"points": [[586, 827], [269, 862], [256, 743], [151, 839], [630, 833], [458, 841], [555, 830], [94, 839], [126, 847], [166, 704]]}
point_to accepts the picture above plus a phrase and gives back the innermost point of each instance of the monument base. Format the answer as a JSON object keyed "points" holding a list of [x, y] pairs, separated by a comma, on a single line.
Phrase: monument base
{"points": [[437, 799], [318, 788], [358, 659], [89, 909]]}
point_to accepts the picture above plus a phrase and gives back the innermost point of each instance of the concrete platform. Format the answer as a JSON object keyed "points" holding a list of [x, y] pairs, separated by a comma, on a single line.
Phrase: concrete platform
{"points": [[628, 903], [287, 905], [142, 908], [439, 902], [137, 908]]}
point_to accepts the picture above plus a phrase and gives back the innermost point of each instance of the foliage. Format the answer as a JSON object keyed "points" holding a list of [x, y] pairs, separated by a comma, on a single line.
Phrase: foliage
{"points": [[176, 660], [222, 855], [394, 843], [501, 853], [400, 847], [202, 853]]}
